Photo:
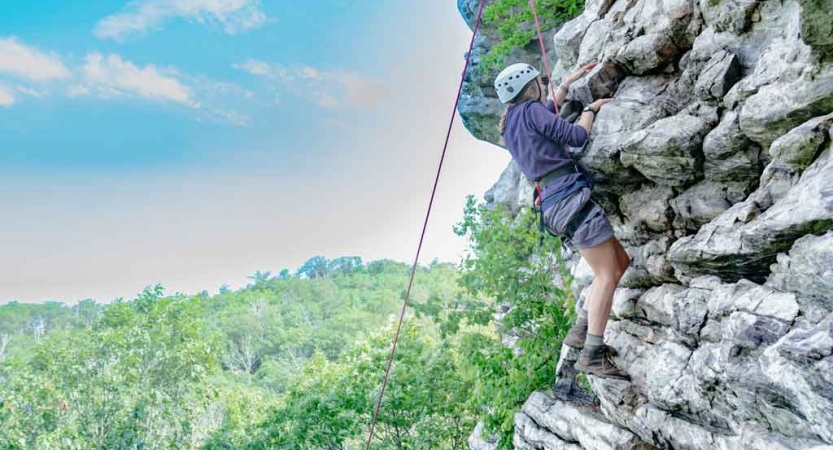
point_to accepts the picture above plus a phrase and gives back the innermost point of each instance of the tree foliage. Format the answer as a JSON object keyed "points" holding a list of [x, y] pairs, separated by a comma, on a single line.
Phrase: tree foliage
{"points": [[295, 362], [516, 25], [512, 264], [233, 370]]}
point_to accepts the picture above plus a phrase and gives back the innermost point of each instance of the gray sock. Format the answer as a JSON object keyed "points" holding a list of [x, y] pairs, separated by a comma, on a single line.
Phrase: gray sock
{"points": [[593, 341]]}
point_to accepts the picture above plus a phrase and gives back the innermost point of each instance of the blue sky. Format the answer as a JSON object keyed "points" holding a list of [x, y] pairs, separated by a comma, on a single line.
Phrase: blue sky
{"points": [[193, 142]]}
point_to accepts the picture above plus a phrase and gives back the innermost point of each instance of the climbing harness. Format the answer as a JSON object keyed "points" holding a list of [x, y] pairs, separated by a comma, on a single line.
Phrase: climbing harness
{"points": [[541, 204], [424, 226]]}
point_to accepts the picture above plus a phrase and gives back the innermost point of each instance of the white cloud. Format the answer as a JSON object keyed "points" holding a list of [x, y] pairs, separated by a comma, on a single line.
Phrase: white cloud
{"points": [[330, 89], [254, 67], [25, 90], [6, 96], [234, 16], [113, 76], [228, 116], [219, 98], [78, 90], [29, 63]]}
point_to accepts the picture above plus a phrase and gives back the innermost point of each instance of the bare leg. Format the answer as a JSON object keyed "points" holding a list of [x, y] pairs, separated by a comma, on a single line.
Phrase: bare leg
{"points": [[624, 258], [609, 262]]}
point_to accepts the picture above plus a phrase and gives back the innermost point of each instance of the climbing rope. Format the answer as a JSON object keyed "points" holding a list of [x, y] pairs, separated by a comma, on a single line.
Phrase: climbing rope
{"points": [[424, 226], [543, 51]]}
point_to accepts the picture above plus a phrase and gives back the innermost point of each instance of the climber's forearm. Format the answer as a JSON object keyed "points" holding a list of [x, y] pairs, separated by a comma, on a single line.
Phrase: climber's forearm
{"points": [[586, 120], [561, 92]]}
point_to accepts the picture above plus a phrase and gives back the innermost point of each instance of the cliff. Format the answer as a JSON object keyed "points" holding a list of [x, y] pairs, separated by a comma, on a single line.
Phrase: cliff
{"points": [[715, 164]]}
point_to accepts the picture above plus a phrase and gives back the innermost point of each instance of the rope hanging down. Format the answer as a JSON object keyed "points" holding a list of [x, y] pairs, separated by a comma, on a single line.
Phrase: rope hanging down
{"points": [[543, 51], [424, 226]]}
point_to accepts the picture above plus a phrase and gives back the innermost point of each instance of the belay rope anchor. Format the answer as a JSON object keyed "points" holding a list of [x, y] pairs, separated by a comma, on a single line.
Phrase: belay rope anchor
{"points": [[433, 193]]}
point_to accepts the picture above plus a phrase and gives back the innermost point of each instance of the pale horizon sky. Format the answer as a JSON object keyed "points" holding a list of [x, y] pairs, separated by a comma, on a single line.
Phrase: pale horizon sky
{"points": [[193, 147]]}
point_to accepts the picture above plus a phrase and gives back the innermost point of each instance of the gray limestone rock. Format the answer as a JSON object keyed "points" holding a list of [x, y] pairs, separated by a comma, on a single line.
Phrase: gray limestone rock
{"points": [[701, 203], [807, 270], [799, 366], [776, 108], [649, 266], [802, 144], [776, 181], [720, 73], [601, 159], [512, 189], [601, 82], [648, 208], [529, 436], [567, 40], [729, 154], [669, 152], [477, 441], [707, 110], [743, 241], [647, 53], [637, 103], [656, 307], [580, 426], [728, 15], [625, 302]]}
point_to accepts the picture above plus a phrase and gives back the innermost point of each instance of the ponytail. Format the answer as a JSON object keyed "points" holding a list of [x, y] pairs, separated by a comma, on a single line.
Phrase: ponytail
{"points": [[502, 125], [529, 92]]}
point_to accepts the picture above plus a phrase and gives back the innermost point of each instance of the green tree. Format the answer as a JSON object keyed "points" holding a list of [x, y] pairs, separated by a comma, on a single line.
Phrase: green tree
{"points": [[516, 24], [315, 267], [134, 381], [331, 404], [345, 265], [259, 278], [510, 263], [285, 275], [209, 371]]}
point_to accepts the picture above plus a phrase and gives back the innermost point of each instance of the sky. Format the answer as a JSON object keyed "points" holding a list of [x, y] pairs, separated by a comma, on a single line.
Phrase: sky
{"points": [[193, 142]]}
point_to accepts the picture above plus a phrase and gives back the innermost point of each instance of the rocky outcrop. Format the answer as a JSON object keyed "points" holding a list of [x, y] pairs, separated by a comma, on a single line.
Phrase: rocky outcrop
{"points": [[714, 162]]}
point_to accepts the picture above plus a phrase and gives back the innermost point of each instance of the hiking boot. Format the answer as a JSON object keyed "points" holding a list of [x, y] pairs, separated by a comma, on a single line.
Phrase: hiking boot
{"points": [[598, 362], [578, 334]]}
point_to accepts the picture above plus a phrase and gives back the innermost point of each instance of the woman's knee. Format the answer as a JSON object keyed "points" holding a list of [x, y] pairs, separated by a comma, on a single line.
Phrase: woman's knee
{"points": [[624, 261], [610, 278], [609, 262]]}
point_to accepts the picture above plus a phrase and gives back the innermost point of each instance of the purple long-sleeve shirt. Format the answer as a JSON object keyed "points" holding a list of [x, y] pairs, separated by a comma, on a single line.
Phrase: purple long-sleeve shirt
{"points": [[535, 136]]}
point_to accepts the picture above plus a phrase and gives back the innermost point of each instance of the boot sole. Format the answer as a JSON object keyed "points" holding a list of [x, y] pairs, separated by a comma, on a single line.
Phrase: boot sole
{"points": [[585, 370]]}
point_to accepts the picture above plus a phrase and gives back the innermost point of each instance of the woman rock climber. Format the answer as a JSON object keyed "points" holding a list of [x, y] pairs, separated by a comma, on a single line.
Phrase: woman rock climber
{"points": [[537, 138]]}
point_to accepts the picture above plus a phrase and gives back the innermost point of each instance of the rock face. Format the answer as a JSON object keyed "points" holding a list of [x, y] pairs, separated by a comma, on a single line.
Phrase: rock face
{"points": [[715, 164]]}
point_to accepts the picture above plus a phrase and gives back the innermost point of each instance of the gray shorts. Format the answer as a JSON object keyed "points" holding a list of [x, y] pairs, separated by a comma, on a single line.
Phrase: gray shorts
{"points": [[595, 228]]}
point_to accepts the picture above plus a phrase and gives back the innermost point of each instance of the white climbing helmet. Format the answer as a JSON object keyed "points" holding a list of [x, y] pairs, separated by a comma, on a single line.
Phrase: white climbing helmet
{"points": [[512, 80]]}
